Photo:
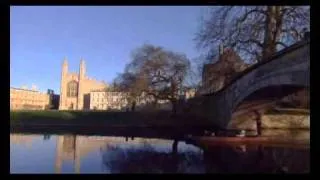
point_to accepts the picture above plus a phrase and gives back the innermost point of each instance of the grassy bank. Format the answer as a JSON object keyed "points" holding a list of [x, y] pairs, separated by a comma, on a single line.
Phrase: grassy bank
{"points": [[103, 118]]}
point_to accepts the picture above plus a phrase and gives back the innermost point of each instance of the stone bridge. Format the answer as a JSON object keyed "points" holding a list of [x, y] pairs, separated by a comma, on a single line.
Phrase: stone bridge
{"points": [[259, 86]]}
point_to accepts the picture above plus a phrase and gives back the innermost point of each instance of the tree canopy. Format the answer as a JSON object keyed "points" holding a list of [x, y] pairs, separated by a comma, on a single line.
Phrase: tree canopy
{"points": [[155, 71], [254, 32]]}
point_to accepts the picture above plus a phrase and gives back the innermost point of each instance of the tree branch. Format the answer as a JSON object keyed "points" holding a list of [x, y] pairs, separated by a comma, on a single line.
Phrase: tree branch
{"points": [[251, 41], [282, 44], [250, 12]]}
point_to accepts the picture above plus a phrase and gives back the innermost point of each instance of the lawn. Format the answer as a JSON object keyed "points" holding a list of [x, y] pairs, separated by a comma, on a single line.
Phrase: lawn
{"points": [[140, 124], [97, 118]]}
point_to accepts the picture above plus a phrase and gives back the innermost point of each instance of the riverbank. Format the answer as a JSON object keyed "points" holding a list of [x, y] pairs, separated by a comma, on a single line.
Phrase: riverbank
{"points": [[97, 119], [270, 139]]}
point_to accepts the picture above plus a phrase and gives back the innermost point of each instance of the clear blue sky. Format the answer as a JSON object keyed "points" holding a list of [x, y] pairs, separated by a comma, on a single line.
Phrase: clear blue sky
{"points": [[40, 38]]}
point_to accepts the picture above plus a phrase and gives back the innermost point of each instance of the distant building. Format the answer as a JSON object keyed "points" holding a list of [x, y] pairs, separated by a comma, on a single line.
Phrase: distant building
{"points": [[190, 93], [75, 88], [187, 93], [22, 98], [53, 99], [108, 100], [218, 74]]}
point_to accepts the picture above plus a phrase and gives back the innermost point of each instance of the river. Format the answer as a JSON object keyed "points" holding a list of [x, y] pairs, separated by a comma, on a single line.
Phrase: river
{"points": [[67, 153]]}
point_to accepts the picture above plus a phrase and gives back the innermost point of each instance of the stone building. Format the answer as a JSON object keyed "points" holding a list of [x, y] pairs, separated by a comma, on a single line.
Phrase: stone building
{"points": [[218, 74], [54, 99], [28, 99], [75, 88], [108, 100]]}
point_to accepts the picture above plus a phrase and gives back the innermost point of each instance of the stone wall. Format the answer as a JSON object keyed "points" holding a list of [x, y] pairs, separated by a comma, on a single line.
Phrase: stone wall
{"points": [[285, 121], [273, 121]]}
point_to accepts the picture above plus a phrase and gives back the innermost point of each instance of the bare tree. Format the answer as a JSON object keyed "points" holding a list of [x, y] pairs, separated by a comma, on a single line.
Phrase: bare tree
{"points": [[254, 32], [128, 83], [156, 72]]}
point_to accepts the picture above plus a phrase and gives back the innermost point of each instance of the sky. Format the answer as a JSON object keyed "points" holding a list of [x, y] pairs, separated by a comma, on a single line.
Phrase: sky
{"points": [[41, 37]]}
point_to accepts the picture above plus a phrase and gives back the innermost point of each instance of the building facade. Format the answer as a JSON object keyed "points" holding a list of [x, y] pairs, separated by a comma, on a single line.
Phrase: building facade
{"points": [[54, 99], [108, 100], [220, 73], [75, 88], [21, 98]]}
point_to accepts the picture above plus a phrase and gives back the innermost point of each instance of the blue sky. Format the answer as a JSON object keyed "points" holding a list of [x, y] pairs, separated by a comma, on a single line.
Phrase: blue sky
{"points": [[40, 38]]}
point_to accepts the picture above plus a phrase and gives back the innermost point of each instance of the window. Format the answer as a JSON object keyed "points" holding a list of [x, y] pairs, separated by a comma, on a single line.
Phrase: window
{"points": [[72, 89]]}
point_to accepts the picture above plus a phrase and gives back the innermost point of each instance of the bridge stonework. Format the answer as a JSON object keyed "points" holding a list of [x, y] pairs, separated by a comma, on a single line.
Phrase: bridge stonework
{"points": [[290, 67]]}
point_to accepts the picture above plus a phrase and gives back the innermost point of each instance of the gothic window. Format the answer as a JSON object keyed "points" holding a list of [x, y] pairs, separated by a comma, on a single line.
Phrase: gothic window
{"points": [[72, 89]]}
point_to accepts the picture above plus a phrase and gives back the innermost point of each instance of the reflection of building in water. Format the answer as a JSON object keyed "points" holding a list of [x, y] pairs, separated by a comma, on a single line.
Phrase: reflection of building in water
{"points": [[22, 139], [68, 146], [71, 147], [65, 150]]}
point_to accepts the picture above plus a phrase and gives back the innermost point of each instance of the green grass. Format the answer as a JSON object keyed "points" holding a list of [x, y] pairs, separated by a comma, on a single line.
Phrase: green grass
{"points": [[103, 118]]}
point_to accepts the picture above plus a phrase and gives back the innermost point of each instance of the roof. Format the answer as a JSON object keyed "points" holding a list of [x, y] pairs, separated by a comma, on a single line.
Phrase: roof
{"points": [[24, 89], [107, 91]]}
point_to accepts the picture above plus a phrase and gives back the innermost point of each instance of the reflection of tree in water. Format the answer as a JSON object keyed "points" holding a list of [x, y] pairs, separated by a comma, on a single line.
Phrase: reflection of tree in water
{"points": [[147, 160], [256, 160], [46, 137], [291, 161]]}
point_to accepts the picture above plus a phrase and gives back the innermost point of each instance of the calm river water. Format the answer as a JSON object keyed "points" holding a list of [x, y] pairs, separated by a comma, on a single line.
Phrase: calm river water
{"points": [[38, 153]]}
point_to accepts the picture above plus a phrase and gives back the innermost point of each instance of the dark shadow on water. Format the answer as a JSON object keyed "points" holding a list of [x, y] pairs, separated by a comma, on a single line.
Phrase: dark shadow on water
{"points": [[241, 159], [256, 159]]}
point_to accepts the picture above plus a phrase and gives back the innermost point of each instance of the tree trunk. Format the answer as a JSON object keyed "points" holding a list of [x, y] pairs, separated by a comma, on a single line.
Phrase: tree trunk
{"points": [[174, 107], [133, 107], [175, 162], [258, 122], [155, 103], [175, 147], [269, 46], [174, 100]]}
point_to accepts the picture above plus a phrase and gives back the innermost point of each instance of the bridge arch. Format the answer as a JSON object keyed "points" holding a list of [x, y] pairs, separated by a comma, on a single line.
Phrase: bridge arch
{"points": [[288, 71], [274, 87]]}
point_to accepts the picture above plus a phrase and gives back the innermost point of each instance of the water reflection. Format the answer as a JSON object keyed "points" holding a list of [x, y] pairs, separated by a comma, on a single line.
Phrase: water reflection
{"points": [[22, 139], [256, 159], [101, 154], [146, 159], [73, 148], [46, 137]]}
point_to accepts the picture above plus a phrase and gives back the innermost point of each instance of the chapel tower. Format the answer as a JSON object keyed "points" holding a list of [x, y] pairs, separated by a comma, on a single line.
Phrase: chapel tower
{"points": [[63, 90]]}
